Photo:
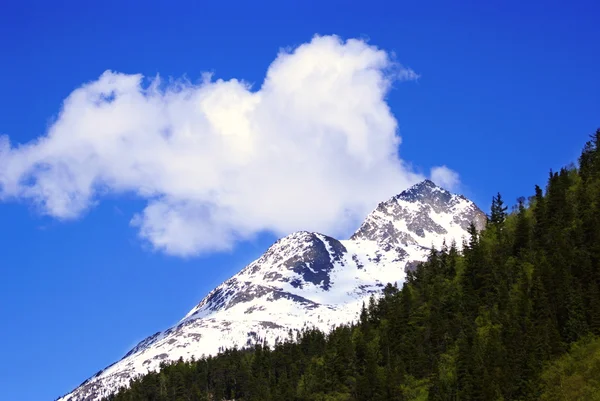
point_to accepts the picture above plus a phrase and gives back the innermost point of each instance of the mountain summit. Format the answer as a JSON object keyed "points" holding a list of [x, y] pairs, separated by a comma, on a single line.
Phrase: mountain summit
{"points": [[303, 280]]}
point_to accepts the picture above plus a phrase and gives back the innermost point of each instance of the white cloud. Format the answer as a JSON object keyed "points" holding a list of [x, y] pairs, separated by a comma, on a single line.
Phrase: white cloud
{"points": [[445, 177], [314, 148]]}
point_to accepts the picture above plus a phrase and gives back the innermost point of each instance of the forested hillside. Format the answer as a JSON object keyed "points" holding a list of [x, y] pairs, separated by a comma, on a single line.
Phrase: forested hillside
{"points": [[492, 322]]}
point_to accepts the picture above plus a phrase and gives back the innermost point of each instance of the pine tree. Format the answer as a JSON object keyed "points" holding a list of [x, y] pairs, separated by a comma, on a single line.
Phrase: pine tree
{"points": [[522, 230], [498, 212]]}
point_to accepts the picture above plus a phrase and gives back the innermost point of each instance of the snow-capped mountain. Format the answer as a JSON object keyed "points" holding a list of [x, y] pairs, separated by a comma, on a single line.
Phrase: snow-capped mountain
{"points": [[303, 280]]}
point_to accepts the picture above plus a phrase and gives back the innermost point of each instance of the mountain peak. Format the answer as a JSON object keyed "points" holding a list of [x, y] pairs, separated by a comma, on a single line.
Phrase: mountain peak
{"points": [[424, 214], [305, 279], [423, 190], [426, 183]]}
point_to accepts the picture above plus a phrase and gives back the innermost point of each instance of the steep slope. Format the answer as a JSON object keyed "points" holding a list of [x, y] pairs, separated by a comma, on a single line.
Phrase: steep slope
{"points": [[303, 280]]}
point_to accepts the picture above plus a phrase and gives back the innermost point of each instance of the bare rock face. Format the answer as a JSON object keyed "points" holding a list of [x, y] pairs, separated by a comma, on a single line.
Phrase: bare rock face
{"points": [[303, 280]]}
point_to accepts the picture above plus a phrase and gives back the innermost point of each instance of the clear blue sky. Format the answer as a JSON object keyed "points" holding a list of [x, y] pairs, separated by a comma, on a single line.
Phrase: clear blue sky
{"points": [[507, 90]]}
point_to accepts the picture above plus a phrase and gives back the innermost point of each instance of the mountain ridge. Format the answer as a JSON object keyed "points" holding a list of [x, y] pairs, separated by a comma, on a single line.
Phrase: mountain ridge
{"points": [[303, 280]]}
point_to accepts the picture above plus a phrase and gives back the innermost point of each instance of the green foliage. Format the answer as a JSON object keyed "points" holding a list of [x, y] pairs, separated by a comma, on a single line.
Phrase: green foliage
{"points": [[574, 376], [415, 390], [479, 324]]}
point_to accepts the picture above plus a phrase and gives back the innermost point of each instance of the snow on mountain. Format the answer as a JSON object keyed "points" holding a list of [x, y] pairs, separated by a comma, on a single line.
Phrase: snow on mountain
{"points": [[303, 280]]}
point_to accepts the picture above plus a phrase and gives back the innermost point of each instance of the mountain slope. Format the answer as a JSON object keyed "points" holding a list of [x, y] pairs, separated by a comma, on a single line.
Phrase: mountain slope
{"points": [[303, 280]]}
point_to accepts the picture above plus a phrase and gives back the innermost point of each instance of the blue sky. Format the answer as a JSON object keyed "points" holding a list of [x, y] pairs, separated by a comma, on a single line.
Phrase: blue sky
{"points": [[505, 92]]}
